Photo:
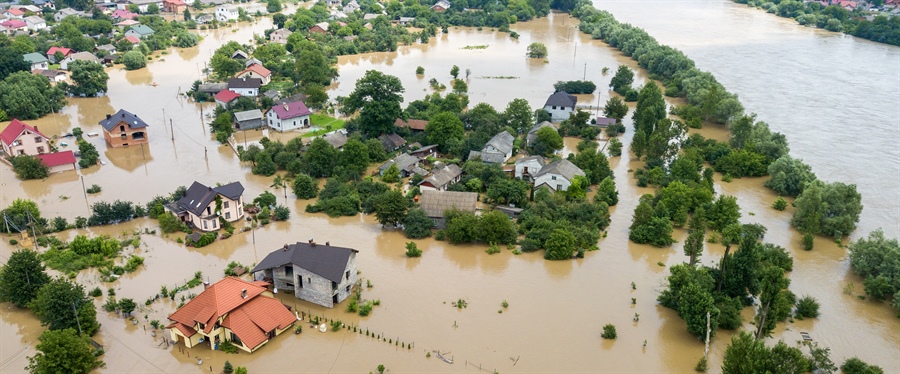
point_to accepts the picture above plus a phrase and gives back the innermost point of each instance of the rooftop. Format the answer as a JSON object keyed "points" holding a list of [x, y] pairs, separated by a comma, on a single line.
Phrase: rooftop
{"points": [[199, 196], [57, 158], [324, 260], [291, 110], [562, 99], [435, 203], [15, 128], [122, 115], [244, 83]]}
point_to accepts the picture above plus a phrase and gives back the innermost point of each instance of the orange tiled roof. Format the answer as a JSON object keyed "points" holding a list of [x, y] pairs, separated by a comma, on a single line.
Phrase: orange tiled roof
{"points": [[251, 321], [258, 69]]}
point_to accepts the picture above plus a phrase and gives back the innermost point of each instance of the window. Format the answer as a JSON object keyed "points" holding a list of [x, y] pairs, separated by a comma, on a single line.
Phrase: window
{"points": [[348, 288], [227, 215], [214, 223], [122, 128], [347, 274], [40, 149], [202, 326], [204, 225], [559, 187], [38, 139], [225, 204], [554, 177]]}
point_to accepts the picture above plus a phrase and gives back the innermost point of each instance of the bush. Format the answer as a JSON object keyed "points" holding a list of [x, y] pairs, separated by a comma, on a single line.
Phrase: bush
{"points": [[281, 213], [420, 70], [536, 50], [29, 167], [779, 204], [702, 365], [228, 347], [854, 365], [609, 331], [807, 307], [94, 189], [412, 250], [808, 241], [96, 292], [134, 60], [133, 262]]}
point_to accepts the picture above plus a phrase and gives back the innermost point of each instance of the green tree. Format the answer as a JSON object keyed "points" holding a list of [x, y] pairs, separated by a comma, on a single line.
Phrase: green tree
{"points": [[63, 351], [320, 158], [11, 61], [29, 96], [29, 167], [316, 97], [273, 6], [354, 157], [168, 223], [134, 60], [187, 15], [417, 224], [830, 209], [773, 285], [227, 368], [877, 259], [412, 250], [391, 175], [854, 365], [152, 8], [61, 304], [547, 142], [186, 39], [536, 50], [789, 176], [746, 355], [391, 207], [606, 192], [266, 199], [621, 82], [560, 245], [21, 278], [650, 110], [695, 302], [496, 227], [519, 116], [264, 165], [693, 246], [305, 187], [615, 107], [312, 65], [454, 71], [89, 78], [508, 191], [723, 212], [18, 215], [89, 154], [420, 70], [377, 97], [126, 306], [444, 129]]}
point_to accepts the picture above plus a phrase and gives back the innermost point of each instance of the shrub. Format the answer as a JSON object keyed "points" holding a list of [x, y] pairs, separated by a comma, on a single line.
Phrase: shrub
{"points": [[807, 307], [94, 189], [228, 347], [420, 70], [365, 308], [133, 262], [854, 365], [96, 292], [808, 241], [702, 366], [227, 368], [609, 331], [281, 213], [134, 60], [779, 204], [412, 250], [492, 249]]}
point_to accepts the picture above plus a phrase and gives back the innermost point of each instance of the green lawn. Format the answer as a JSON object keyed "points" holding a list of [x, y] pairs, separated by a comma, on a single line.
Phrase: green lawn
{"points": [[325, 123]]}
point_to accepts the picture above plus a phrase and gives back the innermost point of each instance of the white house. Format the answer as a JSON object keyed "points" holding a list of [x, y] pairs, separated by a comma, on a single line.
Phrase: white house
{"points": [[557, 175], [226, 12], [248, 87], [80, 56], [65, 12], [527, 167], [37, 61], [35, 23], [142, 5], [560, 105], [497, 150], [288, 116], [532, 134]]}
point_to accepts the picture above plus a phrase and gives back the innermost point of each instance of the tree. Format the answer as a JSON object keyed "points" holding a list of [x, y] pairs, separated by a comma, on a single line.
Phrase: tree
{"points": [[460, 86], [417, 224], [264, 165], [391, 175], [508, 191], [89, 154], [546, 143], [695, 302], [773, 285], [723, 212], [223, 66], [316, 97], [89, 78], [227, 368], [29, 167], [186, 39], [354, 157], [187, 15], [134, 60], [830, 209], [18, 215], [63, 351], [377, 96], [319, 159], [560, 245], [444, 129], [273, 6], [305, 187], [412, 250], [152, 8], [536, 50], [877, 259], [61, 304], [168, 223], [789, 176], [21, 278], [420, 70], [615, 108], [494, 227], [621, 82], [29, 96], [594, 164], [11, 62], [693, 246], [454, 71], [265, 199], [312, 64], [746, 355], [126, 306], [390, 207], [606, 192], [854, 365], [519, 116]]}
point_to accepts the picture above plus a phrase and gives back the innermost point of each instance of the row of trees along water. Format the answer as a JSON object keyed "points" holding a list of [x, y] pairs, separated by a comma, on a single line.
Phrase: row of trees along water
{"points": [[754, 273]]}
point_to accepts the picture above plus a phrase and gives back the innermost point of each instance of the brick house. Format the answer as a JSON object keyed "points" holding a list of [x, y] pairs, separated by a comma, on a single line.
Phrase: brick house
{"points": [[123, 129], [320, 274]]}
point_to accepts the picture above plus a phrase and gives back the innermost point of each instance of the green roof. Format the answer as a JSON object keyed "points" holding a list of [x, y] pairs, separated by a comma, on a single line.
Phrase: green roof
{"points": [[34, 58], [143, 29]]}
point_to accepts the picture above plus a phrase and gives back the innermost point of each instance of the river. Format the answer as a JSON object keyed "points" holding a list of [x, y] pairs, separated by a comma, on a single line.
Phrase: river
{"points": [[556, 309]]}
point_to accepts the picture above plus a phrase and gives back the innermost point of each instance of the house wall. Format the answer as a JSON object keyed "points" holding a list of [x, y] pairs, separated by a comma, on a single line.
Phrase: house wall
{"points": [[492, 149], [318, 290], [28, 143], [555, 181], [118, 137], [62, 168], [559, 113], [249, 124], [40, 66], [232, 210], [225, 14], [533, 168], [286, 125], [248, 92], [36, 25]]}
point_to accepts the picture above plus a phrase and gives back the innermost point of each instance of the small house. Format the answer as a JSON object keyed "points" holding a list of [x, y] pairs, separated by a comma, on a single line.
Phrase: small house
{"points": [[232, 310], [226, 12], [132, 39], [497, 150], [247, 120], [321, 28], [239, 55], [14, 13], [557, 175], [204, 19], [532, 134], [436, 203], [109, 49], [337, 138], [19, 138], [55, 76], [79, 56], [604, 122], [288, 116], [14, 25], [392, 142], [144, 5], [527, 167], [321, 274], [442, 178], [413, 124], [256, 71], [140, 31], [128, 23], [123, 129], [406, 21], [202, 206], [212, 88], [44, 4], [351, 7], [560, 105], [122, 15], [58, 161], [441, 6], [35, 23], [225, 97], [511, 211], [248, 87], [423, 152], [65, 12], [64, 52], [407, 164], [37, 61], [370, 16], [280, 36], [174, 6]]}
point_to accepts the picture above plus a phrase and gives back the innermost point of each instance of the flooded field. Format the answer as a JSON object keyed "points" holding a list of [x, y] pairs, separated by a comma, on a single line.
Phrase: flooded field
{"points": [[556, 309]]}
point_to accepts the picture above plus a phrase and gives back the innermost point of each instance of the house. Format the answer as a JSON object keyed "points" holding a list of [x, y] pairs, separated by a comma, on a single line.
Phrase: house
{"points": [[174, 6], [272, 94], [256, 71], [3, 29], [407, 164], [14, 13], [332, 3], [123, 129], [280, 36], [370, 16], [140, 31], [225, 97], [200, 206], [37, 61], [321, 28], [413, 124], [527, 167], [143, 5], [65, 12], [128, 23], [35, 23], [132, 39], [212, 88], [250, 119], [252, 61], [406, 21], [560, 105], [80, 56], [109, 49], [436, 203], [557, 175], [440, 179], [288, 116], [204, 19], [321, 274], [392, 142], [19, 138], [123, 14], [58, 161], [604, 121], [532, 134], [239, 55], [231, 310], [511, 211], [44, 4], [423, 152], [336, 138], [27, 8], [226, 12], [248, 87], [441, 6], [55, 76], [14, 25], [497, 150], [65, 52]]}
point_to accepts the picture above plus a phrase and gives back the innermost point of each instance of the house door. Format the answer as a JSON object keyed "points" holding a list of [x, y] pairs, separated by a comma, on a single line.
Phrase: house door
{"points": [[334, 299]]}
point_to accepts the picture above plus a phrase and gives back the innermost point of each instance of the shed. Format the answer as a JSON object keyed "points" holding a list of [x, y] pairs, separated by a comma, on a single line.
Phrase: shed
{"points": [[435, 203], [250, 119]]}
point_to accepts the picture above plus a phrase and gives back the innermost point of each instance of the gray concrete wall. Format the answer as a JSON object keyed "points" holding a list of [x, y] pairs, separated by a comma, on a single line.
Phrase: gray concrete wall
{"points": [[319, 290]]}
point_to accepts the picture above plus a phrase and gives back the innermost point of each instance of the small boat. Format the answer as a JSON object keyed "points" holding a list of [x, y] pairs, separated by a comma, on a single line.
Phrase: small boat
{"points": [[154, 84], [92, 134]]}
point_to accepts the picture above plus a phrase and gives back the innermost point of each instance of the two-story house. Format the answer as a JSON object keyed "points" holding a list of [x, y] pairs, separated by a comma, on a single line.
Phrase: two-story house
{"points": [[202, 206], [527, 167], [256, 71], [139, 31], [497, 150], [560, 105], [248, 87], [557, 175], [441, 178], [226, 12], [79, 56], [321, 274], [288, 116], [232, 310], [19, 138], [124, 128]]}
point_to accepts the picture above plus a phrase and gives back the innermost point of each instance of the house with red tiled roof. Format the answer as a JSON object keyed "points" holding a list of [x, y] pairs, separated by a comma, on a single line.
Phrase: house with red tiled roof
{"points": [[58, 161], [14, 13], [123, 14], [231, 310], [12, 25], [19, 138], [288, 116], [256, 71], [51, 53], [133, 39], [225, 98]]}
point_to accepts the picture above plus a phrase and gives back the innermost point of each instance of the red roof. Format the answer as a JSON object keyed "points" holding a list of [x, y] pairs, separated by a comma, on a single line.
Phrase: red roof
{"points": [[15, 11], [133, 39], [174, 2], [226, 96], [65, 51], [15, 129], [57, 159], [253, 320], [13, 24], [291, 110], [415, 124], [258, 69]]}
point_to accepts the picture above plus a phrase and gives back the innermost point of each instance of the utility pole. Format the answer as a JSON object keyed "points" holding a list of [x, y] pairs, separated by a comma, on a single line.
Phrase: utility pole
{"points": [[584, 77], [33, 232], [83, 188], [706, 349], [75, 311], [172, 129]]}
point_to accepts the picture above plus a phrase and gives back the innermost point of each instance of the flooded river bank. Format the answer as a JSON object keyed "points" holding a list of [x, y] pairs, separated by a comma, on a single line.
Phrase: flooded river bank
{"points": [[556, 309]]}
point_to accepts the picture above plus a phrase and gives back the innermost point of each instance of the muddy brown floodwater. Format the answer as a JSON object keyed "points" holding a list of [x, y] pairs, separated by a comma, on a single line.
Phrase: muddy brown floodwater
{"points": [[556, 309]]}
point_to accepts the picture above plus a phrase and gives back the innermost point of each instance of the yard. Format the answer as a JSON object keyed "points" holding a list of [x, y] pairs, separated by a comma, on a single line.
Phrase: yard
{"points": [[325, 124]]}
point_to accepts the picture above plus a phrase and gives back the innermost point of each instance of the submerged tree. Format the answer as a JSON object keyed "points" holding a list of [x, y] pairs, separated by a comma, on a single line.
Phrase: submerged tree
{"points": [[21, 278]]}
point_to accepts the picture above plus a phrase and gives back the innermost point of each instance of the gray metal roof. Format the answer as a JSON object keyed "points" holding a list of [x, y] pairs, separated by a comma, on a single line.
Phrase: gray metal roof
{"points": [[562, 167], [244, 83], [324, 260], [444, 176], [435, 203], [198, 196], [403, 161], [248, 115], [503, 141], [539, 159]]}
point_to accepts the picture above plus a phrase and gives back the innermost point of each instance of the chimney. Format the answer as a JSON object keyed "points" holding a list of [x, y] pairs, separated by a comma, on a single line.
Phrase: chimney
{"points": [[327, 244], [108, 116], [310, 240], [285, 248], [205, 285], [244, 293], [312, 243], [36, 129], [285, 107]]}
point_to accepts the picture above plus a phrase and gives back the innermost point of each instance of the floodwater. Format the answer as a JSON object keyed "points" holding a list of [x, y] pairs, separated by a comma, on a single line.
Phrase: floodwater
{"points": [[556, 309]]}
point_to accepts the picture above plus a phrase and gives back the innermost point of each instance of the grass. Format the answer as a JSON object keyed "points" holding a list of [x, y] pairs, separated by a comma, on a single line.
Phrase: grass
{"points": [[327, 124], [481, 46]]}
